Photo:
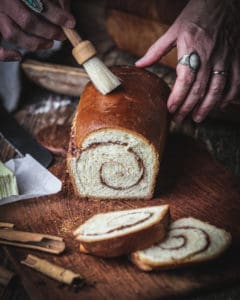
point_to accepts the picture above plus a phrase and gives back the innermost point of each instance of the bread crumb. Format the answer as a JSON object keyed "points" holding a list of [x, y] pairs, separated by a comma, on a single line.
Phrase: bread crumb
{"points": [[68, 225]]}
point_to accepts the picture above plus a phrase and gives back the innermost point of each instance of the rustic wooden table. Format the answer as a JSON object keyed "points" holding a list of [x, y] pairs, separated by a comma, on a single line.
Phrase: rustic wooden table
{"points": [[33, 118]]}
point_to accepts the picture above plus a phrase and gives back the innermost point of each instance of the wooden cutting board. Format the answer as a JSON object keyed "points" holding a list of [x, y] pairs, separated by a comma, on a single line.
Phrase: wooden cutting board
{"points": [[190, 181]]}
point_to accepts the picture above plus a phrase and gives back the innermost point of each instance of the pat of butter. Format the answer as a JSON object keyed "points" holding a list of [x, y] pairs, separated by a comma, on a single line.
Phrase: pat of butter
{"points": [[8, 182]]}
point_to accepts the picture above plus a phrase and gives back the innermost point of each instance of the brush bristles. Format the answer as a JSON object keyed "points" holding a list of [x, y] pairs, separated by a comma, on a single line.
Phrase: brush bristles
{"points": [[103, 79]]}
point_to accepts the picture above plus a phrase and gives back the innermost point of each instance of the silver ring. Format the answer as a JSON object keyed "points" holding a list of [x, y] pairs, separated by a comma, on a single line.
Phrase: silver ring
{"points": [[35, 5], [191, 60], [218, 72]]}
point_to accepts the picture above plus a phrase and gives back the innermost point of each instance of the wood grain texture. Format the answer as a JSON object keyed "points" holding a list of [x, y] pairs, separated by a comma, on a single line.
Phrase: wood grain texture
{"points": [[57, 78], [190, 181]]}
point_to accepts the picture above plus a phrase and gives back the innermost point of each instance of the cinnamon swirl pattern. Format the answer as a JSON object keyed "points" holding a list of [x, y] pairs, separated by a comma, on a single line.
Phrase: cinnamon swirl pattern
{"points": [[121, 232], [107, 225], [115, 164], [188, 241]]}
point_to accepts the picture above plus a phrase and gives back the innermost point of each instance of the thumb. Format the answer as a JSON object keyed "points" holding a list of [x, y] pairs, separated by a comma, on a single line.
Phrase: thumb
{"points": [[9, 55], [160, 48]]}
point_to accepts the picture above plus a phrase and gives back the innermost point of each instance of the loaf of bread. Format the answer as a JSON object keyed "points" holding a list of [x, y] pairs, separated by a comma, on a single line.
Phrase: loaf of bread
{"points": [[135, 34], [117, 140], [188, 241], [122, 232], [135, 25]]}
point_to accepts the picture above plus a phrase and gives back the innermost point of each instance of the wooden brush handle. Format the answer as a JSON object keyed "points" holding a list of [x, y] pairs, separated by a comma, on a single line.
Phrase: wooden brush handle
{"points": [[72, 36], [83, 50]]}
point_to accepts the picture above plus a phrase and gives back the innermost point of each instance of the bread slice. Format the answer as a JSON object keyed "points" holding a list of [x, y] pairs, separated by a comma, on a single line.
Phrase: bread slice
{"points": [[117, 140], [122, 232], [189, 241]]}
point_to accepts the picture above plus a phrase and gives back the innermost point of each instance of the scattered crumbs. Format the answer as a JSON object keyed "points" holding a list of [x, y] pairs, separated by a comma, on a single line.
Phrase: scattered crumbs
{"points": [[76, 286], [68, 225]]}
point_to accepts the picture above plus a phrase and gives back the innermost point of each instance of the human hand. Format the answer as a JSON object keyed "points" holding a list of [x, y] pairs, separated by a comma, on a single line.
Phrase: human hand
{"points": [[28, 30], [211, 29]]}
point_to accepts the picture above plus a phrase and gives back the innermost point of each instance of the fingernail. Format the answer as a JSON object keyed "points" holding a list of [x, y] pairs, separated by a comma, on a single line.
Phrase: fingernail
{"points": [[138, 62], [172, 108], [198, 119]]}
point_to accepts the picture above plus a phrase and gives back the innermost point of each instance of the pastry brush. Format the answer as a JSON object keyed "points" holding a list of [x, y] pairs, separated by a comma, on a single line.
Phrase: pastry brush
{"points": [[85, 54]]}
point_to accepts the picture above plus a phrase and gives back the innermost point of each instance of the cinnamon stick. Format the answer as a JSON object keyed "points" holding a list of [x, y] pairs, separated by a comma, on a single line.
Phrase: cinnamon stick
{"points": [[6, 225], [53, 271], [42, 242]]}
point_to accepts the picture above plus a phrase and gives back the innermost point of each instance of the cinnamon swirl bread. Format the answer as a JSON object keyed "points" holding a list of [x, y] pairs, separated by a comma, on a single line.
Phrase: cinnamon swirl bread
{"points": [[189, 241], [121, 232], [117, 139]]}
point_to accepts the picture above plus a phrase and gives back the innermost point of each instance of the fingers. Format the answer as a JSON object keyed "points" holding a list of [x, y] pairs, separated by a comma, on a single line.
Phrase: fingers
{"points": [[234, 82], [21, 26], [195, 95], [47, 25], [161, 47], [182, 86], [34, 24], [213, 96], [58, 16], [206, 89], [217, 85], [12, 33], [9, 55], [197, 92], [184, 81]]}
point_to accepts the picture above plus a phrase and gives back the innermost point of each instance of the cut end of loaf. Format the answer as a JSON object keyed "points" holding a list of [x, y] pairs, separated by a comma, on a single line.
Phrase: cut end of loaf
{"points": [[117, 140], [114, 164], [101, 76]]}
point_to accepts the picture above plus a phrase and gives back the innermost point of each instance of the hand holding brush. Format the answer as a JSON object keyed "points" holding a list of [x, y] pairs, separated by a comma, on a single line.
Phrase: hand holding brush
{"points": [[34, 24]]}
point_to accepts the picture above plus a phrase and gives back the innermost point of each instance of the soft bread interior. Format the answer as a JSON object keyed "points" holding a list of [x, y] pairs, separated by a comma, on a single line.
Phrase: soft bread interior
{"points": [[188, 240], [120, 223], [113, 163]]}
